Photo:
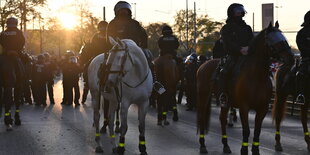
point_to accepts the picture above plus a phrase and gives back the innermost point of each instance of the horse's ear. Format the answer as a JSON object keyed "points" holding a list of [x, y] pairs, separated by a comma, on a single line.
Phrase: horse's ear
{"points": [[112, 41], [269, 28], [120, 43], [277, 24]]}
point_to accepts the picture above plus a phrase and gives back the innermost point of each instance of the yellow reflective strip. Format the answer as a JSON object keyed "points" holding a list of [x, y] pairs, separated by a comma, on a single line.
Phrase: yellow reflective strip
{"points": [[17, 110], [201, 136], [245, 144], [164, 113], [112, 136], [307, 133], [7, 114], [121, 144], [256, 143], [277, 132], [224, 136], [142, 142], [97, 134], [174, 108]]}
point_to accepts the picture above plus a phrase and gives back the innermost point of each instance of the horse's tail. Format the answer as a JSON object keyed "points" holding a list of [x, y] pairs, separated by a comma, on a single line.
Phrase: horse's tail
{"points": [[279, 105], [204, 90]]}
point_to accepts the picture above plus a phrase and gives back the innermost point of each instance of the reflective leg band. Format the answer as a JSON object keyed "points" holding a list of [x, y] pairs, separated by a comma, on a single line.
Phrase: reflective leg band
{"points": [[174, 108], [164, 113], [112, 136], [17, 110], [201, 136], [7, 114], [256, 143], [245, 144], [224, 136], [306, 133], [277, 132], [121, 144], [97, 134], [142, 142]]}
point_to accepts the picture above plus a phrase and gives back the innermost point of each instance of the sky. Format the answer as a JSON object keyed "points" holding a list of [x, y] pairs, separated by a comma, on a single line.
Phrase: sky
{"points": [[289, 13]]}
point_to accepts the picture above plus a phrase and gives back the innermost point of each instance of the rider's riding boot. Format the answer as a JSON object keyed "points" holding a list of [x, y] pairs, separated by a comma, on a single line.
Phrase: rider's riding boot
{"points": [[300, 99]]}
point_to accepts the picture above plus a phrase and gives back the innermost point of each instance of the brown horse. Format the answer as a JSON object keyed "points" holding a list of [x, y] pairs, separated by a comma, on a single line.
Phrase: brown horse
{"points": [[252, 87], [283, 90], [167, 73]]}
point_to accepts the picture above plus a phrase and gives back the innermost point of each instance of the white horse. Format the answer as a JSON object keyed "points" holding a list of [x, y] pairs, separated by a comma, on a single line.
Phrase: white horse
{"points": [[129, 82]]}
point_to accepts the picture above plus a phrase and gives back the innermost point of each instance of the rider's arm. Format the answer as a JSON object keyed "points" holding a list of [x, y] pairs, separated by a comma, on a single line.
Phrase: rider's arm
{"points": [[303, 41], [229, 41]]}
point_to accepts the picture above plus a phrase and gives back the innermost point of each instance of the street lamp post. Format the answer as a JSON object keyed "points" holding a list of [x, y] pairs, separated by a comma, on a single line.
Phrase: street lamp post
{"points": [[135, 4]]}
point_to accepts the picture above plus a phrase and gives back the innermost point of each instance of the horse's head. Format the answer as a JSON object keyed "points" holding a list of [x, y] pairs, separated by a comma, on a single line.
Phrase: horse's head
{"points": [[279, 49], [117, 61]]}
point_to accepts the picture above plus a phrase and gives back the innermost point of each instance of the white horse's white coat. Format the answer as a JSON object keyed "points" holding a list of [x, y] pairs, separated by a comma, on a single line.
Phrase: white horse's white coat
{"points": [[137, 75]]}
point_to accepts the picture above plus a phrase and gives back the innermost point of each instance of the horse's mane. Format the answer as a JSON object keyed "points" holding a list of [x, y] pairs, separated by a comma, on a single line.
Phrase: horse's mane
{"points": [[256, 41]]}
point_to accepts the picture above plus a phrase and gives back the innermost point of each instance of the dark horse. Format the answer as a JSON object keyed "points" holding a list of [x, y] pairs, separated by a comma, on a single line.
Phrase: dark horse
{"points": [[10, 82], [167, 73], [86, 56], [252, 89], [285, 86]]}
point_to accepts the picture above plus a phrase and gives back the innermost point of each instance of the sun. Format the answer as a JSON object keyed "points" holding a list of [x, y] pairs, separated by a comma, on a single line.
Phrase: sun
{"points": [[68, 21]]}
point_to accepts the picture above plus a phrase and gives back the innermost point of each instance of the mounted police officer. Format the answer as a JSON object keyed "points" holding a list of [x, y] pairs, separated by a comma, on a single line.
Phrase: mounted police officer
{"points": [[124, 27], [303, 43], [236, 35], [12, 41], [168, 43]]}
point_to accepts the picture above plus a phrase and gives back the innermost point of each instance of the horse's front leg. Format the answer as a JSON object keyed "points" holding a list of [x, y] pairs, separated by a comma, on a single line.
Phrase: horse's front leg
{"points": [[259, 117], [106, 116], [304, 120], [124, 127], [17, 101], [112, 133], [223, 119], [141, 117], [244, 116]]}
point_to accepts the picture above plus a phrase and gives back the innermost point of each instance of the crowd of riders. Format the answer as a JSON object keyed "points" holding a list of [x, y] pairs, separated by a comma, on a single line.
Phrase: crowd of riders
{"points": [[38, 73]]}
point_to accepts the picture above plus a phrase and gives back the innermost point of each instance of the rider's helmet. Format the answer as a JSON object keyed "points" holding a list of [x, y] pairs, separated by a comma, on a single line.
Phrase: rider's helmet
{"points": [[191, 58], [166, 30], [73, 59], [306, 19], [11, 22], [122, 5], [102, 25], [69, 54], [201, 58], [235, 8]]}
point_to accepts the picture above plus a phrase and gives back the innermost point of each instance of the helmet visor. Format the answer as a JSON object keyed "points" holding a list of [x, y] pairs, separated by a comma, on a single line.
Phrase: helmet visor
{"points": [[239, 10]]}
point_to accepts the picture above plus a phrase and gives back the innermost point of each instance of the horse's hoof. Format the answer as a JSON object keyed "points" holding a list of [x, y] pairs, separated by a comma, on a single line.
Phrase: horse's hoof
{"points": [[175, 118], [244, 151], [99, 149], [103, 130], [226, 149], [143, 153], [120, 150], [230, 124], [114, 150], [9, 128], [255, 151], [203, 150], [117, 129], [166, 123], [278, 147]]}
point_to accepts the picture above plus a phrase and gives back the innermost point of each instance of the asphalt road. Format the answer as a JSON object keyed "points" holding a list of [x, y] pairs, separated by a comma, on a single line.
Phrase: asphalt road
{"points": [[57, 129]]}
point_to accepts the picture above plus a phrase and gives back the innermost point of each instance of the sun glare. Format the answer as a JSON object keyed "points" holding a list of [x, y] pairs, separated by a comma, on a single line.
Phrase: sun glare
{"points": [[68, 21]]}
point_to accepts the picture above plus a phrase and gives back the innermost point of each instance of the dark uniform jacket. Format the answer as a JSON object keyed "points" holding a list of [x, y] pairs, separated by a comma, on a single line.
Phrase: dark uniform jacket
{"points": [[127, 28], [71, 74], [303, 42], [12, 39], [168, 44], [99, 44], [236, 35]]}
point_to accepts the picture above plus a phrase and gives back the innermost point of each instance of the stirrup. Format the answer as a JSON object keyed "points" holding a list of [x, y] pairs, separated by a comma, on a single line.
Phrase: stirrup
{"points": [[300, 99], [223, 100]]}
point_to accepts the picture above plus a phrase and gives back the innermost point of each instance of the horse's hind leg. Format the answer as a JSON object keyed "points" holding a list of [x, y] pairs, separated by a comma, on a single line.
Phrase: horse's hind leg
{"points": [[278, 110], [174, 108], [8, 100], [223, 119], [96, 106], [17, 101], [304, 120], [259, 117], [141, 117], [245, 129], [117, 123]]}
